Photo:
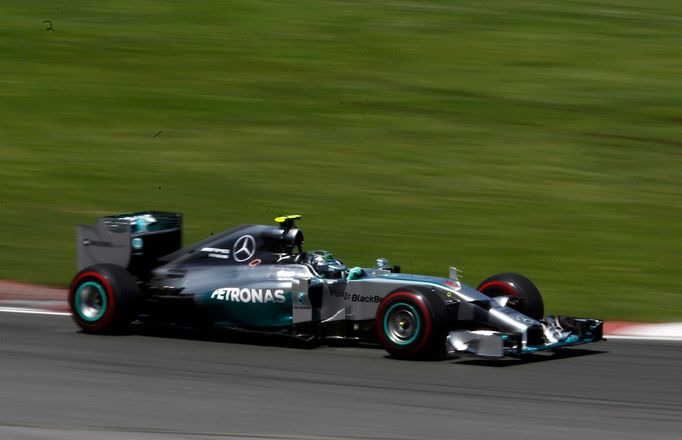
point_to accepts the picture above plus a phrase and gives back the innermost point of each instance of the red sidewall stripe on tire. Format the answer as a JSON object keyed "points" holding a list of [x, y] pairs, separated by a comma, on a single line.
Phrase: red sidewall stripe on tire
{"points": [[418, 300], [108, 313], [505, 286]]}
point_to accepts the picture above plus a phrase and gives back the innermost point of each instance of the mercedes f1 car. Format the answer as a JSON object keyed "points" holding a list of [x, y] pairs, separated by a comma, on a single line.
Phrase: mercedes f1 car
{"points": [[258, 278]]}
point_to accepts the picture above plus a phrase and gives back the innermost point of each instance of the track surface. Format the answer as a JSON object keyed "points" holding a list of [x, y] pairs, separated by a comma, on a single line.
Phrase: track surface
{"points": [[57, 383]]}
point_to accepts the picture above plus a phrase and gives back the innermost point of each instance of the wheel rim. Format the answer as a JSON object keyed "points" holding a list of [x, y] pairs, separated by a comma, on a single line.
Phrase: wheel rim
{"points": [[90, 301], [402, 324]]}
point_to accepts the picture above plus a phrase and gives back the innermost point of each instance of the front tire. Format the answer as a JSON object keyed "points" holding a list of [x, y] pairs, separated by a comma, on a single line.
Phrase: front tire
{"points": [[103, 298], [412, 323], [524, 295]]}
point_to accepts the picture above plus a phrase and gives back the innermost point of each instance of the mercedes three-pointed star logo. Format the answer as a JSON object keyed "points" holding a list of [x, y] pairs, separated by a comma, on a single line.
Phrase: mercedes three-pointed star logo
{"points": [[244, 248]]}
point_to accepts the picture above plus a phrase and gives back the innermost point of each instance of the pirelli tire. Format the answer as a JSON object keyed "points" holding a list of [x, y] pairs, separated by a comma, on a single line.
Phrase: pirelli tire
{"points": [[412, 323], [104, 298], [523, 295]]}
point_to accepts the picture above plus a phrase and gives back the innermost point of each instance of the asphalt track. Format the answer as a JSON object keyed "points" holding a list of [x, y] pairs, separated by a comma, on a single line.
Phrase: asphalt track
{"points": [[57, 383]]}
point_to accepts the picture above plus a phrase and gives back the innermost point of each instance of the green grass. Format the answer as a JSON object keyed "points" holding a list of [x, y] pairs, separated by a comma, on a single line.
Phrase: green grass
{"points": [[537, 136]]}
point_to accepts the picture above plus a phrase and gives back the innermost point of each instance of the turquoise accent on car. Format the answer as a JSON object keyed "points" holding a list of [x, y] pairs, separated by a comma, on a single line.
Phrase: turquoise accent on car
{"points": [[387, 330], [137, 243], [464, 291], [101, 294], [240, 313], [571, 340], [355, 273], [141, 224]]}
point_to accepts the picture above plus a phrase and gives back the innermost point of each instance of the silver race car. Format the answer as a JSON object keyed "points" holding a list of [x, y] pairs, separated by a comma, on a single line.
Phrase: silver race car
{"points": [[258, 278]]}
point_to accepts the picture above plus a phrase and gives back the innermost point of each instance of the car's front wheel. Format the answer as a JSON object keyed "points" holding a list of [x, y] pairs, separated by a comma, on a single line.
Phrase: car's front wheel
{"points": [[412, 323], [103, 298], [523, 295]]}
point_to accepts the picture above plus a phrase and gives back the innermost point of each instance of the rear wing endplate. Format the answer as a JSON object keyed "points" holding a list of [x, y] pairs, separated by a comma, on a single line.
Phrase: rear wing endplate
{"points": [[133, 241]]}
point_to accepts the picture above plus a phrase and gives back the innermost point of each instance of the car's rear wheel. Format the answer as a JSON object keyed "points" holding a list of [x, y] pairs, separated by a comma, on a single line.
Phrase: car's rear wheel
{"points": [[104, 298], [412, 323], [523, 295]]}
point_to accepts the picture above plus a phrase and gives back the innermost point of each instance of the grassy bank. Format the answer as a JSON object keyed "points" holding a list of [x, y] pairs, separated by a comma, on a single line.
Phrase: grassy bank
{"points": [[542, 137]]}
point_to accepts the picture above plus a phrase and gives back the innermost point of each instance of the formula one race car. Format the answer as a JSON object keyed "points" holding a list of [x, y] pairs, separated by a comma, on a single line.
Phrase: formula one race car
{"points": [[258, 278]]}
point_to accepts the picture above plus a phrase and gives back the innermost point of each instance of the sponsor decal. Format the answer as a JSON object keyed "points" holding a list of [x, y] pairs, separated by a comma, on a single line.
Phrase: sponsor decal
{"points": [[509, 311], [142, 218], [285, 274], [300, 298], [244, 248], [255, 262], [217, 252], [376, 299], [524, 319], [88, 242], [235, 294]]}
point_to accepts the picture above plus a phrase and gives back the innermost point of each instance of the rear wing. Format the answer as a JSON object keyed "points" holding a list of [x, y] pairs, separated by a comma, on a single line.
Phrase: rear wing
{"points": [[133, 241]]}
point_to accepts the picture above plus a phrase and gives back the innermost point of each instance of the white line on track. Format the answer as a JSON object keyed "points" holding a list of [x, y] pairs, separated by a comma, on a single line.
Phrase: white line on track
{"points": [[644, 338], [623, 337], [32, 311]]}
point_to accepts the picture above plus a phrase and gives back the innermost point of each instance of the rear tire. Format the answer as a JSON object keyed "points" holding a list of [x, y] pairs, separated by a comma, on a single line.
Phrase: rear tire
{"points": [[524, 295], [412, 323], [103, 298]]}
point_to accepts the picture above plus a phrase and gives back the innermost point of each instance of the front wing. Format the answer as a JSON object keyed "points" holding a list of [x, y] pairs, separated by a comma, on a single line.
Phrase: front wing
{"points": [[558, 332]]}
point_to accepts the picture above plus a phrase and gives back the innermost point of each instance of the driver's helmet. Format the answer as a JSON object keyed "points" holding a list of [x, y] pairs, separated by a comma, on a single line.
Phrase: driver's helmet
{"points": [[325, 264]]}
